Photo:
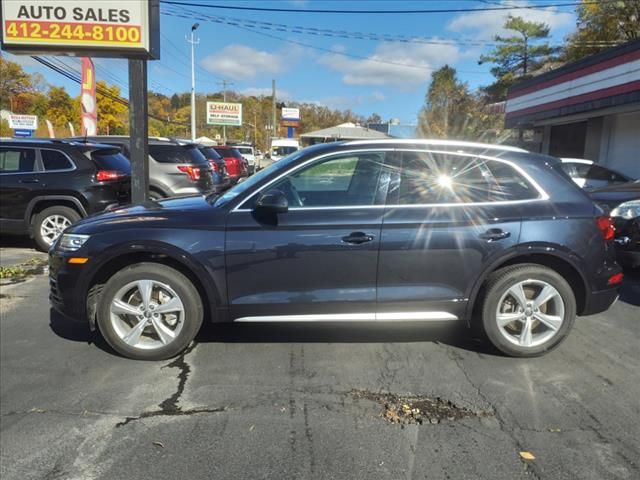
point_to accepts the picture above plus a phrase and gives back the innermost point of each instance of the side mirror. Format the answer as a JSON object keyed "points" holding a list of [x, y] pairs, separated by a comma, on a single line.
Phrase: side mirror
{"points": [[273, 201]]}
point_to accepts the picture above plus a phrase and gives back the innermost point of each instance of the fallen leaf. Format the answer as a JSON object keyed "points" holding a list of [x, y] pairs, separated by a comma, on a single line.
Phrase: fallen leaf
{"points": [[251, 428], [159, 444], [527, 456], [555, 430]]}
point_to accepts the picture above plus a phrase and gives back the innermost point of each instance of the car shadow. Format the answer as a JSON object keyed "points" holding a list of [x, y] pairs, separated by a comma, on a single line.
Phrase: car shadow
{"points": [[447, 333], [16, 241]]}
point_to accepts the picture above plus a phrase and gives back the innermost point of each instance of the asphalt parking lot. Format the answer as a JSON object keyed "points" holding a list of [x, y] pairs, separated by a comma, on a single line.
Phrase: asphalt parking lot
{"points": [[320, 401]]}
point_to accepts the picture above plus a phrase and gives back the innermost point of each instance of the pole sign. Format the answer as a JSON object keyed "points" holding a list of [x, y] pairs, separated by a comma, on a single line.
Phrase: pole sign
{"points": [[23, 122], [220, 113], [290, 113], [127, 28]]}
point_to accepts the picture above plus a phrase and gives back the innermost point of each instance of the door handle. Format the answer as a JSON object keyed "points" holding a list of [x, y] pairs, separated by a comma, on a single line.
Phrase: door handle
{"points": [[30, 180], [357, 238], [494, 234]]}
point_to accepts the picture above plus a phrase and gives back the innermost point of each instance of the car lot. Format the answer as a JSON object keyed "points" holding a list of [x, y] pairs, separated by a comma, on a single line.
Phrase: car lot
{"points": [[301, 401]]}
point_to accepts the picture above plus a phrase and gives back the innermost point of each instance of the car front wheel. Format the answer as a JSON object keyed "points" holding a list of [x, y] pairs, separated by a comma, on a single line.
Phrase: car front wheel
{"points": [[528, 310], [149, 311]]}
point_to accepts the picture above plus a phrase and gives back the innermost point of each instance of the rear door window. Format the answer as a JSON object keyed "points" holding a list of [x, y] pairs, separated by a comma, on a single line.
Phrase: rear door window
{"points": [[437, 178], [17, 160], [53, 160], [176, 154]]}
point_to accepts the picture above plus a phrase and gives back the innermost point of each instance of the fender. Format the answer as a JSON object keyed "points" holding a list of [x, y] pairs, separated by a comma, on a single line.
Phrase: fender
{"points": [[160, 187], [215, 294], [542, 248], [31, 205]]}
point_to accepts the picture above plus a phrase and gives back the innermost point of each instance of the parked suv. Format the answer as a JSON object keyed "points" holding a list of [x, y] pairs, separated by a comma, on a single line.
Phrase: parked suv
{"points": [[218, 165], [175, 167], [46, 185], [386, 230], [249, 155]]}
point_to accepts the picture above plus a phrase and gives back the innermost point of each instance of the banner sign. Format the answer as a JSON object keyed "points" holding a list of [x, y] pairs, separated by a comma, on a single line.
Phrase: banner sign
{"points": [[104, 27], [23, 122], [291, 113], [290, 123], [88, 103], [220, 113]]}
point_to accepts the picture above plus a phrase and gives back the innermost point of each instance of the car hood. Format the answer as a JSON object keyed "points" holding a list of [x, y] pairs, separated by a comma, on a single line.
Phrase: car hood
{"points": [[178, 212]]}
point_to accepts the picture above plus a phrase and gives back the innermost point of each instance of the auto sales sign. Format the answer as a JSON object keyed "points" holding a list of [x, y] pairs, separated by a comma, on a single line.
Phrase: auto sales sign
{"points": [[126, 28]]}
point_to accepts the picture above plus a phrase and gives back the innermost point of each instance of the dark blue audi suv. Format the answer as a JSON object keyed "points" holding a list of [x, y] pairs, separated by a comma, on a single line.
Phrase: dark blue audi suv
{"points": [[389, 230]]}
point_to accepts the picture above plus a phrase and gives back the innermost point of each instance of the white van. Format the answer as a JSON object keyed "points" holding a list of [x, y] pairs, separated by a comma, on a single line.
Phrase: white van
{"points": [[281, 147]]}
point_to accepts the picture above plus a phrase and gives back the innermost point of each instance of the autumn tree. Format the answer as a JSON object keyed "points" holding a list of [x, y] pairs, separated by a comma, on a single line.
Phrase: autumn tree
{"points": [[518, 55], [13, 81], [601, 25], [112, 114], [60, 109]]}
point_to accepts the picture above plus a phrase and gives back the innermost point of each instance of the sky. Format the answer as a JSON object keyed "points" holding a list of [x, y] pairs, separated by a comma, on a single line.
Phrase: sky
{"points": [[357, 62]]}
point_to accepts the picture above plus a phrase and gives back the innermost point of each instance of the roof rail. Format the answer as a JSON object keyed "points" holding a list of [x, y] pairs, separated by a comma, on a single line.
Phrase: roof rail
{"points": [[436, 142]]}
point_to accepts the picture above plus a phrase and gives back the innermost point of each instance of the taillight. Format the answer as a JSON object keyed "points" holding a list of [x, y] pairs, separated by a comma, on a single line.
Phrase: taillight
{"points": [[605, 225], [615, 279], [214, 166], [109, 175], [193, 172]]}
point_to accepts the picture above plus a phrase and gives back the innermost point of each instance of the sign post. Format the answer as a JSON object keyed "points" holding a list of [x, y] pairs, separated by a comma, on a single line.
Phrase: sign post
{"points": [[290, 119], [94, 28]]}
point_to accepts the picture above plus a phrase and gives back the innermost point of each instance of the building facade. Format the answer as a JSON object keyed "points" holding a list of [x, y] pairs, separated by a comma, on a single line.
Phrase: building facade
{"points": [[586, 109]]}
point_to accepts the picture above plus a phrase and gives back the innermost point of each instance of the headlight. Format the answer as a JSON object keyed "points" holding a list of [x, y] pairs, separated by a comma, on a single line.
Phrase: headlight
{"points": [[627, 210], [70, 242]]}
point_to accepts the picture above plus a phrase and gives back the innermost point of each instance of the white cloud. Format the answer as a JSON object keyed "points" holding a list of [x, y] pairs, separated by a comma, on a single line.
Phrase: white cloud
{"points": [[404, 65], [486, 24], [241, 62]]}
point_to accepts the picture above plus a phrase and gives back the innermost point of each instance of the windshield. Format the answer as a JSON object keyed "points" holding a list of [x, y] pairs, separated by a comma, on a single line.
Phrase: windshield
{"points": [[176, 154], [210, 153], [282, 151], [239, 188]]}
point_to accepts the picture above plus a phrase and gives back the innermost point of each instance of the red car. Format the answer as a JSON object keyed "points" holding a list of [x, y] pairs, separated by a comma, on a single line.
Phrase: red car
{"points": [[237, 166]]}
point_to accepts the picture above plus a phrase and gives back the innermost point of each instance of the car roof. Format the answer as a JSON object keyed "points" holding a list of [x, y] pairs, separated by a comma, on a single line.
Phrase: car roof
{"points": [[55, 142], [576, 160], [434, 142]]}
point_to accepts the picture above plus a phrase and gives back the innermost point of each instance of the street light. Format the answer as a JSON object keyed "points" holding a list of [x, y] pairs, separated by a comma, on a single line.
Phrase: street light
{"points": [[193, 43]]}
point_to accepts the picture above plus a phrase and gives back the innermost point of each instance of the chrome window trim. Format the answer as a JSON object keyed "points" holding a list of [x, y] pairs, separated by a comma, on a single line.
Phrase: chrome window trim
{"points": [[437, 142], [355, 317], [303, 164], [543, 195]]}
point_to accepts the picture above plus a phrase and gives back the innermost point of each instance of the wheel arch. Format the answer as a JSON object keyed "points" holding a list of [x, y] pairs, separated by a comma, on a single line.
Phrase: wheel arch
{"points": [[38, 204], [547, 256], [156, 252]]}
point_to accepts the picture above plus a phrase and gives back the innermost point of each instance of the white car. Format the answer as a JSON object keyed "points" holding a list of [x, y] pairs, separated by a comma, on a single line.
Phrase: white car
{"points": [[589, 175]]}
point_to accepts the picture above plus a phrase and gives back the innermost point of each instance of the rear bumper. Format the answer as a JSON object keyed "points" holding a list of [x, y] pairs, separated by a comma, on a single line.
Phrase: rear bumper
{"points": [[628, 258], [600, 301]]}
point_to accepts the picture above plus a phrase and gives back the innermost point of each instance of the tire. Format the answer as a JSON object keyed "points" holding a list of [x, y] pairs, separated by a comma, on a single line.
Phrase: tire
{"points": [[164, 334], [534, 326], [155, 195], [49, 223]]}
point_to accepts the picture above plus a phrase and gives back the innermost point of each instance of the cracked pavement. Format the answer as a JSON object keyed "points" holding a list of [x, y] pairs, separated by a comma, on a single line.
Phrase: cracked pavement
{"points": [[276, 401]]}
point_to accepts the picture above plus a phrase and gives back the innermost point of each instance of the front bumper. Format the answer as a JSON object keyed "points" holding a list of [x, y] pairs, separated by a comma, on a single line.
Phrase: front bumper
{"points": [[66, 286]]}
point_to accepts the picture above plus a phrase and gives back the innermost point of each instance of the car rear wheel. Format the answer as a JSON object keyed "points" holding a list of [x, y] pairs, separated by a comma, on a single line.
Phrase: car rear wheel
{"points": [[527, 310], [149, 311], [49, 224]]}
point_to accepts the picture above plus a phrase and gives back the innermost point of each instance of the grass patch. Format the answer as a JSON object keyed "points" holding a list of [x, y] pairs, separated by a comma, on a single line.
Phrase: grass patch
{"points": [[33, 266]]}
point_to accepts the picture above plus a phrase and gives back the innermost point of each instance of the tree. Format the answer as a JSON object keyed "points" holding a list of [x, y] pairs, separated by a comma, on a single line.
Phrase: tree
{"points": [[517, 56], [601, 25], [13, 81], [111, 113], [60, 109], [374, 118]]}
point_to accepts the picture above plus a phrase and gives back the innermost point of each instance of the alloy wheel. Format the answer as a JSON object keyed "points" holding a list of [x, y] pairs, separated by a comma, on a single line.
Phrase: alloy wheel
{"points": [[52, 227], [530, 313], [147, 314]]}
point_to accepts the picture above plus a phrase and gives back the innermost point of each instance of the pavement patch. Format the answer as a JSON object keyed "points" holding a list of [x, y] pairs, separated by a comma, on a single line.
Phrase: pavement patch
{"points": [[418, 409]]}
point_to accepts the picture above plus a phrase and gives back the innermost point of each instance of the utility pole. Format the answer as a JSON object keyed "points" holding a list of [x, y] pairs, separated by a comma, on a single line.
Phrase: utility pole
{"points": [[225, 84], [273, 93], [193, 43]]}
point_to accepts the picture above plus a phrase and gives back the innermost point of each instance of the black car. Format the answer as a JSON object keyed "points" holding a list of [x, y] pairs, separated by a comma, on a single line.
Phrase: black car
{"points": [[46, 185], [623, 203], [350, 231]]}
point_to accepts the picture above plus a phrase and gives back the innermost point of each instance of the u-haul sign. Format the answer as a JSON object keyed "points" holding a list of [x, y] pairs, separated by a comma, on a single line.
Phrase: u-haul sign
{"points": [[126, 28]]}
